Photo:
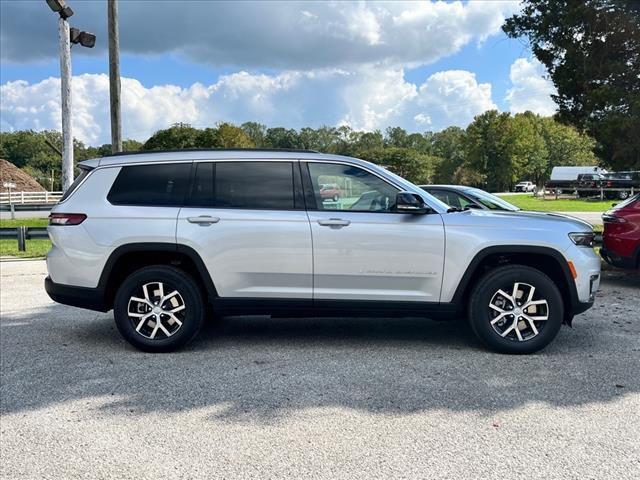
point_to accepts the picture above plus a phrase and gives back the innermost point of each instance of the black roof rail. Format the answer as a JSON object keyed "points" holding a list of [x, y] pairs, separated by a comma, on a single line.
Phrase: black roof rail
{"points": [[140, 152]]}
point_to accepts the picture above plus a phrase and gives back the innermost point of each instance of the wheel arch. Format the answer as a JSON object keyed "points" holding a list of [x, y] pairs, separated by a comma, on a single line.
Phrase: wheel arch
{"points": [[126, 259], [545, 259]]}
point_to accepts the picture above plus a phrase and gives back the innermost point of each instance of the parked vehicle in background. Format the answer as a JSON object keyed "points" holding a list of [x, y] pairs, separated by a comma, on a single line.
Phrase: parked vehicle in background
{"points": [[463, 198], [563, 179], [164, 237], [589, 184], [621, 237], [526, 187], [330, 191], [629, 181]]}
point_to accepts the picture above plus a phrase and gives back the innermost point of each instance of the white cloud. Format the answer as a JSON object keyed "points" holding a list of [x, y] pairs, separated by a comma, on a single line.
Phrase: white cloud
{"points": [[531, 90], [365, 98], [288, 35]]}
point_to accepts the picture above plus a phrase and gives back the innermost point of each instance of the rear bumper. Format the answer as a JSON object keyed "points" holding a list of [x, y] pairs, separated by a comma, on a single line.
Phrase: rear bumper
{"points": [[618, 260], [81, 297]]}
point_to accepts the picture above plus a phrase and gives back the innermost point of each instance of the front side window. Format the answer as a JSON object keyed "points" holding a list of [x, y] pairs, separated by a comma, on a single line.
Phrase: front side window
{"points": [[451, 198], [349, 188], [151, 185]]}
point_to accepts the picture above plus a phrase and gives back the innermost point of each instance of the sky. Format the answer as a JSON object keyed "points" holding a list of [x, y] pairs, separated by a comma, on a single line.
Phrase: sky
{"points": [[419, 65]]}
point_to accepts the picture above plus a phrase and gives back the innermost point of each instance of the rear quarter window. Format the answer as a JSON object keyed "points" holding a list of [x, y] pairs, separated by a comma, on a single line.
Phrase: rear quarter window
{"points": [[151, 185]]}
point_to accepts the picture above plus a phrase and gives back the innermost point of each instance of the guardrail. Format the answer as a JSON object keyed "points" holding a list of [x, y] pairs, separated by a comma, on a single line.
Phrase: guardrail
{"points": [[22, 234], [25, 198]]}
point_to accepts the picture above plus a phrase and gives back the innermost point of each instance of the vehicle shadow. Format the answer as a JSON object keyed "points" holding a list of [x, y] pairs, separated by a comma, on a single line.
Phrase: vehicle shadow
{"points": [[249, 368]]}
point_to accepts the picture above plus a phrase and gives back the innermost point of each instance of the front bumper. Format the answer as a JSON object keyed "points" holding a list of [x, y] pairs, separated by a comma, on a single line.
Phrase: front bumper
{"points": [[81, 297]]}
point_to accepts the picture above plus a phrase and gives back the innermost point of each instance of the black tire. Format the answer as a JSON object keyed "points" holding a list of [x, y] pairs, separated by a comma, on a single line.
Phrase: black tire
{"points": [[503, 278], [191, 316], [623, 195]]}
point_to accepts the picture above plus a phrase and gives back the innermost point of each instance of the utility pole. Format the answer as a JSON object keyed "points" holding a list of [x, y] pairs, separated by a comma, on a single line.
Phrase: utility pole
{"points": [[66, 37], [114, 76], [65, 84]]}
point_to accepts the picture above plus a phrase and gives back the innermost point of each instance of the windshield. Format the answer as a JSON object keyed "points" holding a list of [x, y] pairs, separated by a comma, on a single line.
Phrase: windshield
{"points": [[489, 200]]}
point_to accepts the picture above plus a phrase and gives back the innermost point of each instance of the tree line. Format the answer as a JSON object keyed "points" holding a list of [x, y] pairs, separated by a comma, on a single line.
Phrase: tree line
{"points": [[494, 152]]}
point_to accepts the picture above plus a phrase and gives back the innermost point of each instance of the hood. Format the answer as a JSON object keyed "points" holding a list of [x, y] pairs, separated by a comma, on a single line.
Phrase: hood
{"points": [[531, 218]]}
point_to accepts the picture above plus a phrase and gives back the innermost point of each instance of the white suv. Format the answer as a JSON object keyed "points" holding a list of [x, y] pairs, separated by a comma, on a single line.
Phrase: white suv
{"points": [[164, 238]]}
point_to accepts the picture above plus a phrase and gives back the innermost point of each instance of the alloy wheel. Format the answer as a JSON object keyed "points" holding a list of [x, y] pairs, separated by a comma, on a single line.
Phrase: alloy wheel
{"points": [[519, 315], [157, 311]]}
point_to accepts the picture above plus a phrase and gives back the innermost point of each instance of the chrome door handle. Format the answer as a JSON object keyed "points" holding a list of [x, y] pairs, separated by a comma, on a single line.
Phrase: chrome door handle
{"points": [[334, 222], [203, 220]]}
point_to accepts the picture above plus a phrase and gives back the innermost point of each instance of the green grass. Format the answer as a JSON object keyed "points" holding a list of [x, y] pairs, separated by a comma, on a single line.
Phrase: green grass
{"points": [[35, 248], [529, 202], [26, 222]]}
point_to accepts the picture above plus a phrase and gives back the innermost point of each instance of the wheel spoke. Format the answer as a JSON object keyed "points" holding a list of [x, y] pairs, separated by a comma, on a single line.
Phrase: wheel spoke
{"points": [[538, 318], [516, 289], [155, 330], [518, 334], [508, 330], [531, 292], [172, 294], [507, 296], [146, 294], [162, 327], [142, 322], [497, 309], [532, 325], [177, 309], [161, 290], [175, 319], [498, 318]]}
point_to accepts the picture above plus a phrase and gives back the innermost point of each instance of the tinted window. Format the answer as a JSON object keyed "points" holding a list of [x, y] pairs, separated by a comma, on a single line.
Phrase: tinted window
{"points": [[83, 173], [161, 185], [254, 185], [345, 187], [451, 198]]}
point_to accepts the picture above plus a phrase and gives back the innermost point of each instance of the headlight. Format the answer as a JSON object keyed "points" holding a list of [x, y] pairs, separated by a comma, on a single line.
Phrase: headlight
{"points": [[583, 239]]}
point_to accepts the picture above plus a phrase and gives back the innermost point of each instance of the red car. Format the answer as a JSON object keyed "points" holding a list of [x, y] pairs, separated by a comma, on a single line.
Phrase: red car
{"points": [[621, 237], [330, 191]]}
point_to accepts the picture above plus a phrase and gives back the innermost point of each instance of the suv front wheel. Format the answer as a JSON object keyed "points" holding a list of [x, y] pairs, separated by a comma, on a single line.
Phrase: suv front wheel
{"points": [[516, 309], [158, 309]]}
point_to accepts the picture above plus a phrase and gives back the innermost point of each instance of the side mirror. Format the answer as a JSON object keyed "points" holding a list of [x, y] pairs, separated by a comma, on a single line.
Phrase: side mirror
{"points": [[472, 206], [407, 202]]}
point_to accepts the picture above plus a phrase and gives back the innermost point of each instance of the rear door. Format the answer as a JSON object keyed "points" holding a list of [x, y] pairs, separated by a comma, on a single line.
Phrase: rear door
{"points": [[362, 249], [247, 221]]}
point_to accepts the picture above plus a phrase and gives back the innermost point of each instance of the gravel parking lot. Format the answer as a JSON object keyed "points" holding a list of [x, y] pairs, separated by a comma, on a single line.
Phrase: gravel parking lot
{"points": [[322, 398]]}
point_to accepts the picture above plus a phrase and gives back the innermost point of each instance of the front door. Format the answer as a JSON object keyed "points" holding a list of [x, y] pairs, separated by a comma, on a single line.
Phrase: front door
{"points": [[362, 249], [247, 221]]}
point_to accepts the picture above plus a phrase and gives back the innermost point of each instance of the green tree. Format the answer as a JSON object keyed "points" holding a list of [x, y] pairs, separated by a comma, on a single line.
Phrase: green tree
{"points": [[527, 148], [416, 167], [488, 155], [178, 136], [280, 137], [566, 146], [449, 146], [591, 50], [256, 133]]}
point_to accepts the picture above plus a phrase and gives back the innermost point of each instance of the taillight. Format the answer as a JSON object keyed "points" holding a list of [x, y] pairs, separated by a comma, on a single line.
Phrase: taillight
{"points": [[608, 218], [66, 218]]}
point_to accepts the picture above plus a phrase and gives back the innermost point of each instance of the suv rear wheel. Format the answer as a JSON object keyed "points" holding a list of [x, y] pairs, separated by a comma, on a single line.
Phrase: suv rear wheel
{"points": [[516, 309], [158, 309]]}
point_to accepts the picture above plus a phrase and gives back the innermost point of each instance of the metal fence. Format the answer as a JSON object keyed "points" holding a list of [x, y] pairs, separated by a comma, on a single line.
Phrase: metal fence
{"points": [[601, 192], [22, 234], [25, 198]]}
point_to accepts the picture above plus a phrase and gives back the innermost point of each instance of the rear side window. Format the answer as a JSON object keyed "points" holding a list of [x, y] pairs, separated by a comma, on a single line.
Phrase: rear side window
{"points": [[151, 185], [83, 173], [246, 185]]}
